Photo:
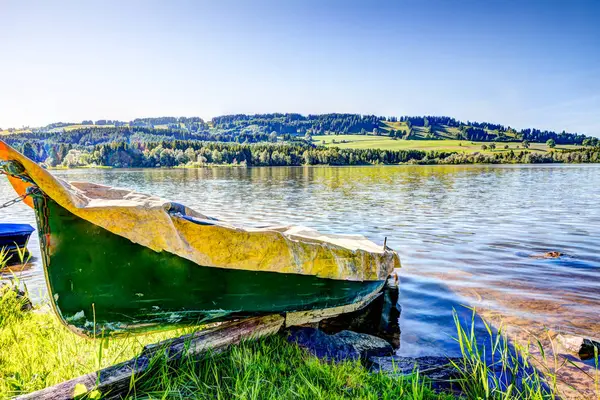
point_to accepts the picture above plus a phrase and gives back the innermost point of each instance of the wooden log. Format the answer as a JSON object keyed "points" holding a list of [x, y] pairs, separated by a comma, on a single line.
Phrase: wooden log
{"points": [[114, 382]]}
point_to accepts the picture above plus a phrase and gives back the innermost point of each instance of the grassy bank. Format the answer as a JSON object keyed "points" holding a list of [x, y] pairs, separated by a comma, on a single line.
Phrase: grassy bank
{"points": [[36, 352], [447, 145]]}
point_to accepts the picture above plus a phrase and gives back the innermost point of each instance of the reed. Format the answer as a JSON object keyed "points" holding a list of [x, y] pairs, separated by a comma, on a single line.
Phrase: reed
{"points": [[497, 368]]}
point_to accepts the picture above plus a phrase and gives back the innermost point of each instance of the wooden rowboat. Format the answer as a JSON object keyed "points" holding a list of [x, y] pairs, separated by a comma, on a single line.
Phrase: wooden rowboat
{"points": [[119, 261]]}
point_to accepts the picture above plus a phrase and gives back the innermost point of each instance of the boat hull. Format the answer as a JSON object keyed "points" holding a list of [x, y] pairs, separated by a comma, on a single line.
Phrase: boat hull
{"points": [[103, 282], [13, 241]]}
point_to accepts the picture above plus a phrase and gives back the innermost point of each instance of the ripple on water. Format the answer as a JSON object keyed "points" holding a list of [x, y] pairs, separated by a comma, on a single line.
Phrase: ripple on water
{"points": [[466, 234]]}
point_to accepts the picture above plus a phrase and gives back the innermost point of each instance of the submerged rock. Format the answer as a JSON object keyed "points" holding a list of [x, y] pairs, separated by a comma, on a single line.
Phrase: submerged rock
{"points": [[433, 367], [378, 318], [438, 369], [345, 345], [586, 349], [550, 254]]}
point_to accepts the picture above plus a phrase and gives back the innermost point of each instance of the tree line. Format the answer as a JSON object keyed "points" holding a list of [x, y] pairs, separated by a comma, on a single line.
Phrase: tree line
{"points": [[180, 153], [298, 124], [291, 126], [41, 145], [197, 154]]}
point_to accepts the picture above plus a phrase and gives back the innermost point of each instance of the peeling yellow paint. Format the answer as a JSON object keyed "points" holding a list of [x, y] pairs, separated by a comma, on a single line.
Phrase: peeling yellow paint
{"points": [[147, 220]]}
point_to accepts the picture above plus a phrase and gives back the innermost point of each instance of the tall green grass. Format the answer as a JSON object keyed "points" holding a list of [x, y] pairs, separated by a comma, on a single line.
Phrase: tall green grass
{"points": [[271, 368], [501, 369], [36, 351]]}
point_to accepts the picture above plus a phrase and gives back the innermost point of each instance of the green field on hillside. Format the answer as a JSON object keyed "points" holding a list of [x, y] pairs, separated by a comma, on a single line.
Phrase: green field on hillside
{"points": [[386, 143], [80, 126], [433, 133], [7, 132], [60, 129]]}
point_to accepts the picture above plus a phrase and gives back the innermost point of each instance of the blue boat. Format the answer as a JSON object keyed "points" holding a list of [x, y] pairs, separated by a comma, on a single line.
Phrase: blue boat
{"points": [[14, 238]]}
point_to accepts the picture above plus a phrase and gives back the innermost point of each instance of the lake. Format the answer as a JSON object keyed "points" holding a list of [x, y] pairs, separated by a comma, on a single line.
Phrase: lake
{"points": [[467, 235]]}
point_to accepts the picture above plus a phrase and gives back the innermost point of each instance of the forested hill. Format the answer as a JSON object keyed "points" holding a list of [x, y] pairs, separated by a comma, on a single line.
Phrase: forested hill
{"points": [[268, 127], [407, 127], [171, 141]]}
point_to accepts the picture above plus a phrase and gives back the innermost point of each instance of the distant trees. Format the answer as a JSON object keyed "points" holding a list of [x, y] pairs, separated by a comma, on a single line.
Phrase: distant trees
{"points": [[474, 134], [569, 156], [88, 137], [289, 127], [29, 152], [395, 135], [178, 139], [538, 136], [193, 153], [296, 124], [76, 158], [192, 124], [170, 154]]}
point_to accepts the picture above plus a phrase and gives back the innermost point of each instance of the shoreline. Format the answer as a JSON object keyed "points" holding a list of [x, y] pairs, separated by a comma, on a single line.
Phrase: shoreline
{"points": [[365, 358], [408, 164]]}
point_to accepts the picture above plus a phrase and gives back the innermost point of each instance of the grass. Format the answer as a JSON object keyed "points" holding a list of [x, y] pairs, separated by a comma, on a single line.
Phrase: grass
{"points": [[271, 368], [507, 375], [7, 132], [440, 131], [501, 369], [36, 352], [386, 143], [66, 128], [80, 126]]}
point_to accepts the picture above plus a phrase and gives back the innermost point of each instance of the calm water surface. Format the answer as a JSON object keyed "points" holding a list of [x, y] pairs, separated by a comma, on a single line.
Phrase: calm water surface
{"points": [[465, 234]]}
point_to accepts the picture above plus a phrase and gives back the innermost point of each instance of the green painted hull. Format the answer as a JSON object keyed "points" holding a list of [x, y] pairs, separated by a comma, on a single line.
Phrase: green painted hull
{"points": [[102, 282]]}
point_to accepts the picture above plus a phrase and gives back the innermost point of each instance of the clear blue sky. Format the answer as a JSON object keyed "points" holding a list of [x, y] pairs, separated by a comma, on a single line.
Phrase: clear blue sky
{"points": [[520, 63]]}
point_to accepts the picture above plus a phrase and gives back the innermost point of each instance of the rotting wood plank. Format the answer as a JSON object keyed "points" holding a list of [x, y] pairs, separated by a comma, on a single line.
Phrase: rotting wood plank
{"points": [[114, 382]]}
